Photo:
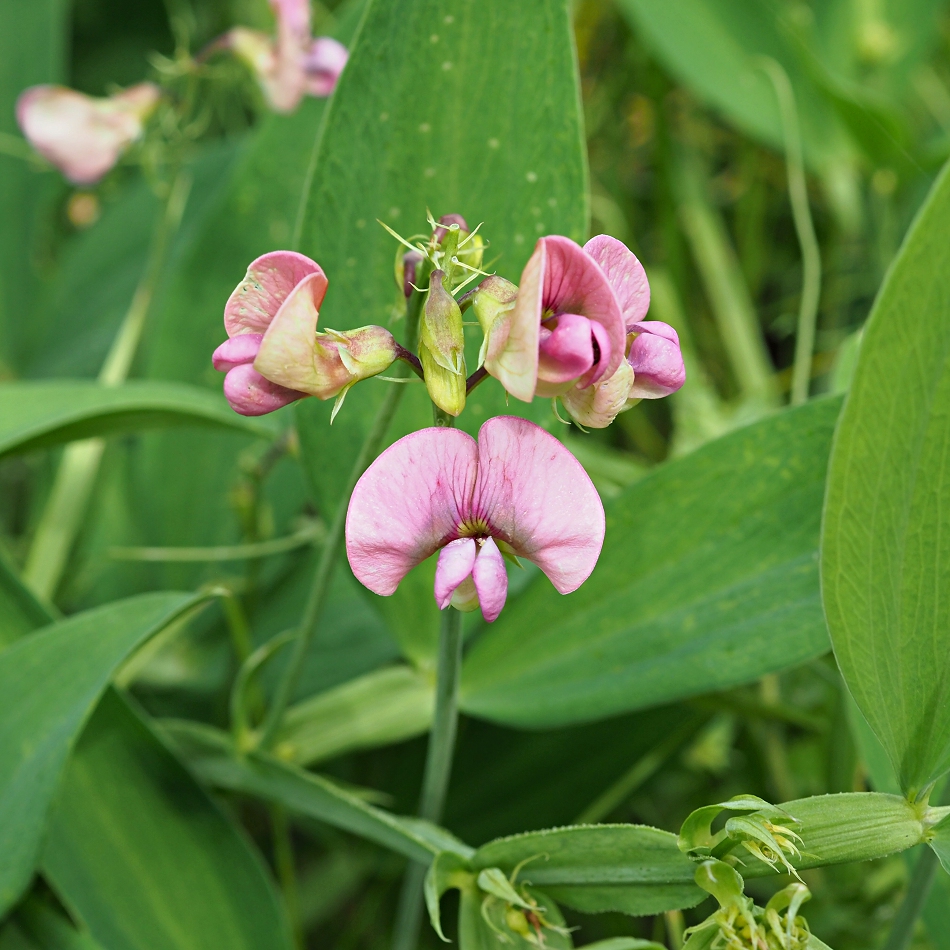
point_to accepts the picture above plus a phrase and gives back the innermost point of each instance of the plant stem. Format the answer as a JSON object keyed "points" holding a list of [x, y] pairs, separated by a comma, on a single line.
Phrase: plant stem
{"points": [[75, 478], [435, 781], [804, 228], [325, 567], [286, 871]]}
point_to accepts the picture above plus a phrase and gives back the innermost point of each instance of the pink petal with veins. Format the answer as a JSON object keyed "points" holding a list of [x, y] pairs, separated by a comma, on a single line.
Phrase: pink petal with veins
{"points": [[491, 580], [456, 561], [236, 351], [250, 394], [536, 496], [625, 274], [408, 504], [656, 359], [267, 284]]}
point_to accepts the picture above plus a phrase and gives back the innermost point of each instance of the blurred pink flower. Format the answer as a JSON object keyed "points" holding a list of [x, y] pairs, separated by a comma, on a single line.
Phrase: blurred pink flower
{"points": [[323, 64], [274, 353], [82, 136], [293, 63], [516, 490]]}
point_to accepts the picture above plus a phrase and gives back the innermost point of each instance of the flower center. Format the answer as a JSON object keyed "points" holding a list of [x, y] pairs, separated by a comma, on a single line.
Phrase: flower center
{"points": [[475, 528]]}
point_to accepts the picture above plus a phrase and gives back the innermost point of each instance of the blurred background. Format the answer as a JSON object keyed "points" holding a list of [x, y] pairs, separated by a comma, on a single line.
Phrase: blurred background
{"points": [[687, 167]]}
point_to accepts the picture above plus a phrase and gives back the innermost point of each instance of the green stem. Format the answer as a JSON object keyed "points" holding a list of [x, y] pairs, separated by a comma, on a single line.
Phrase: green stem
{"points": [[286, 870], [75, 478], [325, 568], [804, 228], [435, 782]]}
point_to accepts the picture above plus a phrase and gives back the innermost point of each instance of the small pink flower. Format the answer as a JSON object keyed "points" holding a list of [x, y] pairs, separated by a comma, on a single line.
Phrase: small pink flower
{"points": [[516, 490], [82, 136], [566, 327], [323, 64], [274, 354]]}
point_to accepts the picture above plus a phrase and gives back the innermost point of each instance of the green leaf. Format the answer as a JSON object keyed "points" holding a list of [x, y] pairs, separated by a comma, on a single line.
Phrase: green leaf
{"points": [[32, 51], [39, 415], [940, 842], [380, 708], [48, 929], [623, 943], [143, 856], [211, 756], [708, 579], [50, 683], [20, 611], [886, 535], [447, 870], [595, 868]]}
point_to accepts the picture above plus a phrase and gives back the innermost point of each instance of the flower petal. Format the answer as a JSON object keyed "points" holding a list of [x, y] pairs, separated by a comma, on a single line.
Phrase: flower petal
{"points": [[235, 351], [267, 284], [323, 64], [598, 405], [512, 356], [625, 274], [657, 361], [456, 561], [574, 283], [291, 355], [566, 351], [491, 580], [536, 496], [409, 503], [250, 394], [82, 136]]}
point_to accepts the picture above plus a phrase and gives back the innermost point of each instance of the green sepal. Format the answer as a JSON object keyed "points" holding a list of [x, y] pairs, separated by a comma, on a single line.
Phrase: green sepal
{"points": [[447, 870]]}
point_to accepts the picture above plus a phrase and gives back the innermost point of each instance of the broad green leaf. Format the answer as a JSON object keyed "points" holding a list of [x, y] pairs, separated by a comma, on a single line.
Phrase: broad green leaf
{"points": [[940, 842], [32, 51], [50, 683], [623, 943], [595, 868], [211, 756], [382, 707], [465, 123], [48, 929], [38, 415], [708, 579], [886, 535], [139, 851]]}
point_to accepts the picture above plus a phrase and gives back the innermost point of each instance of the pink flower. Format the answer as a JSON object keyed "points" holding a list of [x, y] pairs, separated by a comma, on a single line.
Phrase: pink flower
{"points": [[82, 136], [576, 331], [274, 354], [323, 64], [293, 63], [517, 490]]}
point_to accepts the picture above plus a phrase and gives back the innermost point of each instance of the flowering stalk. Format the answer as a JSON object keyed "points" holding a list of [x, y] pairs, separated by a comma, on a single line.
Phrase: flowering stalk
{"points": [[336, 534], [66, 506]]}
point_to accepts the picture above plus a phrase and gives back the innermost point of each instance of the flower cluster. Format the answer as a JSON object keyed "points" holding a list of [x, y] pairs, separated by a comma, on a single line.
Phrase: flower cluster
{"points": [[573, 330], [84, 136]]}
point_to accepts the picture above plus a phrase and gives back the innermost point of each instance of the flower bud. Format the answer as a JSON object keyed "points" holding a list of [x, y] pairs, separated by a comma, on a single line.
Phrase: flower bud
{"points": [[364, 352], [442, 332], [492, 303], [407, 269], [440, 232], [323, 64]]}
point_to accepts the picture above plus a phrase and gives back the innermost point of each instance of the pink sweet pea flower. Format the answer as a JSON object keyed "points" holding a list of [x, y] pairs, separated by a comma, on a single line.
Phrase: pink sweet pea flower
{"points": [[82, 136], [653, 367], [566, 327], [274, 354], [516, 490], [323, 64]]}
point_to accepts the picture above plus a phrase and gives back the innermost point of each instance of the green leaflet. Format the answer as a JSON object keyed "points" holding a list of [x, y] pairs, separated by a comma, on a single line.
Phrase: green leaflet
{"points": [[20, 612], [594, 868], [50, 683], [885, 542], [211, 756], [708, 579], [138, 850], [39, 415], [474, 111]]}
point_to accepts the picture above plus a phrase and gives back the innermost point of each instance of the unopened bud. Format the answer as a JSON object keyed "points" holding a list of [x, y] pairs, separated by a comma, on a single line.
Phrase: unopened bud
{"points": [[364, 352], [407, 270], [444, 222], [442, 331], [492, 303]]}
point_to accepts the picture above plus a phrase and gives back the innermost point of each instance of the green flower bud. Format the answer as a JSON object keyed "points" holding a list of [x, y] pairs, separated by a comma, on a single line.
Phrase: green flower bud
{"points": [[442, 347], [446, 387], [492, 302]]}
